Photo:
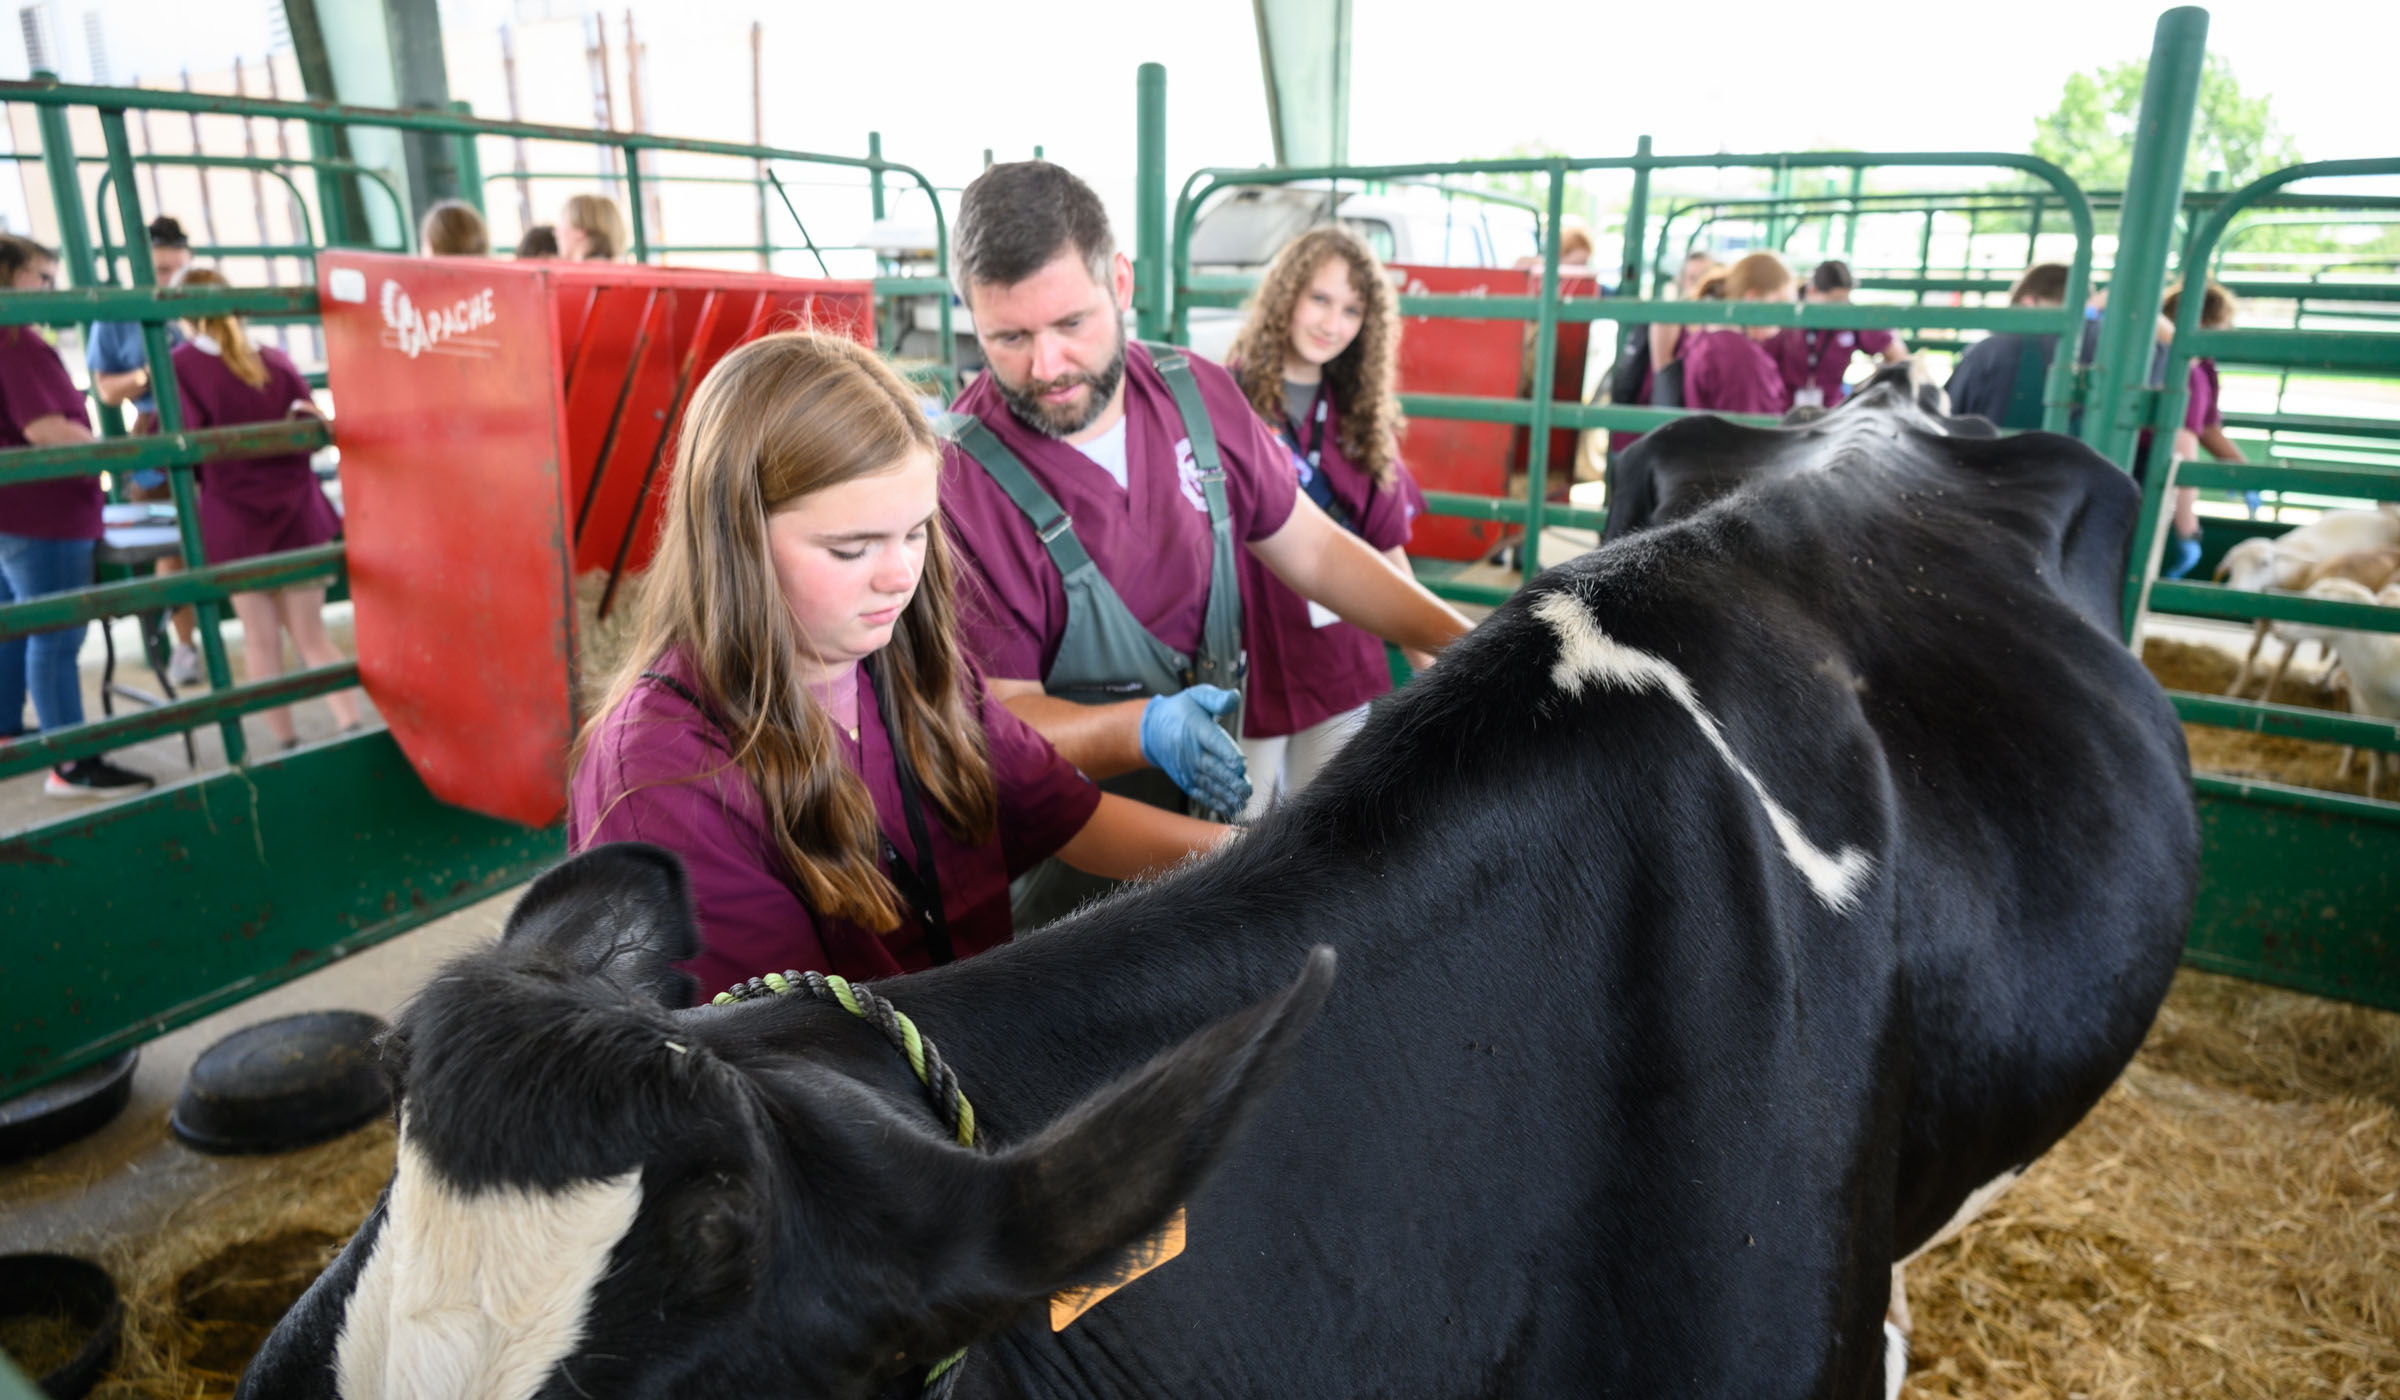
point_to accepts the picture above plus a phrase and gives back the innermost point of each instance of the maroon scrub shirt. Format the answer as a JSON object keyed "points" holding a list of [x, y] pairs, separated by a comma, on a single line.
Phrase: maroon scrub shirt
{"points": [[658, 770]]}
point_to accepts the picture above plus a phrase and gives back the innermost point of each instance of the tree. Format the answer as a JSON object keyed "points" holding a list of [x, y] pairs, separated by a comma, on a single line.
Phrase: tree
{"points": [[2090, 134]]}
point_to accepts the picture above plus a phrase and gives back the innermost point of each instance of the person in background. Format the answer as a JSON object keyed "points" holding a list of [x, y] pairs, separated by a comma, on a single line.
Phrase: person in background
{"points": [[1647, 374], [2203, 423], [259, 505], [796, 712], [1698, 266], [1815, 362], [540, 241], [591, 228], [453, 229], [120, 367], [2001, 376], [1574, 248], [1318, 357], [47, 533], [1729, 369]]}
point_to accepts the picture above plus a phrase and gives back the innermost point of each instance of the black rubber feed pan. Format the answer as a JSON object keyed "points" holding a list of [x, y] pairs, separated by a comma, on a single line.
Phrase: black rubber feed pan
{"points": [[59, 1112], [44, 1288], [284, 1083]]}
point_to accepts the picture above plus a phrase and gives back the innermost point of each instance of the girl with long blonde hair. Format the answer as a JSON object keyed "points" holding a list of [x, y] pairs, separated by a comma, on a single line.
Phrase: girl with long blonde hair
{"points": [[1318, 358], [259, 505], [795, 718], [1729, 369]]}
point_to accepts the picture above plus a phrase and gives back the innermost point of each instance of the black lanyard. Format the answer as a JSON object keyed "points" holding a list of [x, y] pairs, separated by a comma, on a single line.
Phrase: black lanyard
{"points": [[918, 883], [1316, 487]]}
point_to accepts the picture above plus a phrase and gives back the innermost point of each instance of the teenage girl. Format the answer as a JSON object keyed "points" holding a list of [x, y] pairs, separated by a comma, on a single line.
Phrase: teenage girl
{"points": [[591, 228], [259, 505], [795, 718], [1318, 359], [1729, 369]]}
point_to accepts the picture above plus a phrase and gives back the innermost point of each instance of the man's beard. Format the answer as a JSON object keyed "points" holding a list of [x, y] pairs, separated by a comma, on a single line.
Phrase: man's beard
{"points": [[1060, 421]]}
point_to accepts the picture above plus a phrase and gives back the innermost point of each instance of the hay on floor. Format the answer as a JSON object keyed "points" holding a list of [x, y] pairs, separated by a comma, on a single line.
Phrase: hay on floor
{"points": [[2237, 753], [2226, 1222]]}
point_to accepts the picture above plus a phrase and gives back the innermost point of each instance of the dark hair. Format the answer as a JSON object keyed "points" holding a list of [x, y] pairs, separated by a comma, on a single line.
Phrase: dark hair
{"points": [[166, 232], [2217, 305], [540, 241], [1016, 217], [18, 253], [1832, 275], [2041, 282]]}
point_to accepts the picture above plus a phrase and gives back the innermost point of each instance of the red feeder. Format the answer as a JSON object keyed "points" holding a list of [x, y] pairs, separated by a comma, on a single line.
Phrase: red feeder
{"points": [[1484, 359], [507, 428]]}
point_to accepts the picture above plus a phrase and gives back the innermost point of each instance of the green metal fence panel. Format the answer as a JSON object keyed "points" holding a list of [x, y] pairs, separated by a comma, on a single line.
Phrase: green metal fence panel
{"points": [[1548, 309], [2298, 888], [117, 926], [132, 920]]}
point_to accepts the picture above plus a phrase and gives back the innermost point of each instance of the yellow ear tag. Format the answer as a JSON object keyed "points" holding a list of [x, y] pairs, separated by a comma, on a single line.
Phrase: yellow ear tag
{"points": [[1073, 1303]]}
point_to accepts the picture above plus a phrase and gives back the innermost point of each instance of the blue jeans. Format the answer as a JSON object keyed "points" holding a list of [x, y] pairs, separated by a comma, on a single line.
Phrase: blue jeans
{"points": [[30, 567]]}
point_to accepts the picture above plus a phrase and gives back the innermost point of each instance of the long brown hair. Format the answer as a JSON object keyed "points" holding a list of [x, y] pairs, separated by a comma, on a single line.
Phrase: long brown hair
{"points": [[1362, 377], [225, 328], [777, 419]]}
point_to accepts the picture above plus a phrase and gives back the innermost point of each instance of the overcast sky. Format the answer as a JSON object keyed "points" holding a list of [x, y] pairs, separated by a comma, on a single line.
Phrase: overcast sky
{"points": [[1434, 79]]}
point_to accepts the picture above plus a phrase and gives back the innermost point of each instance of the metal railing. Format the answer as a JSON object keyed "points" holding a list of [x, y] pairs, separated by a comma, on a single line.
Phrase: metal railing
{"points": [[177, 450], [2346, 482], [1547, 308]]}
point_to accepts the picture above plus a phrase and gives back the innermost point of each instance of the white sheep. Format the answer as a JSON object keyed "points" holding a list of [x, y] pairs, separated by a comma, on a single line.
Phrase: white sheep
{"points": [[2371, 658], [2285, 562]]}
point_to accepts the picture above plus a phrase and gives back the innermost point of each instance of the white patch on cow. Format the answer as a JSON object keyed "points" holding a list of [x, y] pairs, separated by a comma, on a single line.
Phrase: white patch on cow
{"points": [[1895, 1361], [1585, 653], [1978, 1201], [476, 1295]]}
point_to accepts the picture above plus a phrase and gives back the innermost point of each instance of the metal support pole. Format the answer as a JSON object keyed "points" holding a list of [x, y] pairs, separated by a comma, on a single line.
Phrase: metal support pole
{"points": [[2033, 232], [66, 190], [470, 161], [1545, 367], [1924, 256], [1150, 273], [170, 417], [633, 202], [2120, 407], [1637, 216], [1858, 186], [758, 137], [875, 176]]}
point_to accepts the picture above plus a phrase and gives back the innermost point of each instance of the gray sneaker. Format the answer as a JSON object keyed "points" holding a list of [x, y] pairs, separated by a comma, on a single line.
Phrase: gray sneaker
{"points": [[183, 668]]}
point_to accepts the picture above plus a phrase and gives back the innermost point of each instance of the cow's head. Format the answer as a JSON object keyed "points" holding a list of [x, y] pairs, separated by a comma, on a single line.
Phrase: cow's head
{"points": [[599, 1195]]}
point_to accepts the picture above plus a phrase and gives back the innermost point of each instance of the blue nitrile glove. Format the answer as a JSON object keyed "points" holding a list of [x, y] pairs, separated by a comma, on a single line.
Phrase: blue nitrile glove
{"points": [[1181, 738], [2182, 554]]}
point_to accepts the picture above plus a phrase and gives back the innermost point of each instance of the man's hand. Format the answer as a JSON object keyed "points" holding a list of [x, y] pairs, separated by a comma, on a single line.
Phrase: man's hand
{"points": [[1181, 737]]}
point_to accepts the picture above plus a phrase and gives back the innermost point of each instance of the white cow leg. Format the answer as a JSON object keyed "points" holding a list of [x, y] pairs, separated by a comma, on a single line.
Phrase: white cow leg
{"points": [[1895, 1360]]}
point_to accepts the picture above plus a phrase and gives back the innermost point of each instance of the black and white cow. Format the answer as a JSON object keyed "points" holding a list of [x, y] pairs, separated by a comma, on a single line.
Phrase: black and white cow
{"points": [[1721, 917]]}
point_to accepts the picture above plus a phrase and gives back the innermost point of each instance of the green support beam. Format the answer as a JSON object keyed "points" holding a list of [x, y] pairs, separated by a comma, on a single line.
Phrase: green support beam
{"points": [[1304, 53], [2121, 403]]}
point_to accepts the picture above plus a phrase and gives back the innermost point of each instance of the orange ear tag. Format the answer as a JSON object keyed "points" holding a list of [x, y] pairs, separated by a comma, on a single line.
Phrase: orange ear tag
{"points": [[1073, 1303]]}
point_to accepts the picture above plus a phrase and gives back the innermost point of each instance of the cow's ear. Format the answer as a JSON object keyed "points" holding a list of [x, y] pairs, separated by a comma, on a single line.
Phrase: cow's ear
{"points": [[1063, 1208], [623, 911]]}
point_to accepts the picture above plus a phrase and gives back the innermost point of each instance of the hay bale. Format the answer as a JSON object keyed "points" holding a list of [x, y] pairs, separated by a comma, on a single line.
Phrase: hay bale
{"points": [[2223, 1224]]}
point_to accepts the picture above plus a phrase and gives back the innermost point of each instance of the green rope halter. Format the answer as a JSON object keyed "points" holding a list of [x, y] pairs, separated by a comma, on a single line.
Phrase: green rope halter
{"points": [[940, 1081]]}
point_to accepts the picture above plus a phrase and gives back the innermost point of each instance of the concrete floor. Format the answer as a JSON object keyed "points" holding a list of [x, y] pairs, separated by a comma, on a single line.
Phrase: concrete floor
{"points": [[132, 1174]]}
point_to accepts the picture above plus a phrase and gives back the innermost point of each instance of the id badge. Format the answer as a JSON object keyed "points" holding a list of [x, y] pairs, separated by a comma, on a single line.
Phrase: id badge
{"points": [[1809, 396]]}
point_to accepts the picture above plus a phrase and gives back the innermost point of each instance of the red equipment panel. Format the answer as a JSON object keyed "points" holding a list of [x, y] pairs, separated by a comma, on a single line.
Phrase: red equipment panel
{"points": [[505, 428], [1486, 359]]}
